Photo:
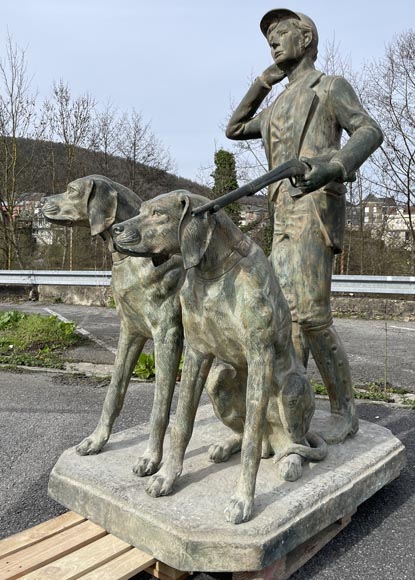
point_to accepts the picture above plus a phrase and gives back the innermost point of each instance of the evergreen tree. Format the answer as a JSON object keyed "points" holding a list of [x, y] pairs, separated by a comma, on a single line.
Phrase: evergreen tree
{"points": [[225, 180]]}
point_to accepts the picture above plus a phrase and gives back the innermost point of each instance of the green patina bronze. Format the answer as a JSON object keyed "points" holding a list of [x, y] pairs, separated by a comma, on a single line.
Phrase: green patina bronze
{"points": [[238, 345], [306, 122], [147, 299], [194, 267]]}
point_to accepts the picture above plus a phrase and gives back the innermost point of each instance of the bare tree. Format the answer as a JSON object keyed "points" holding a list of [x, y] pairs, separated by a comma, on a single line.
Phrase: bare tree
{"points": [[106, 131], [71, 119], [138, 144], [390, 93], [18, 120]]}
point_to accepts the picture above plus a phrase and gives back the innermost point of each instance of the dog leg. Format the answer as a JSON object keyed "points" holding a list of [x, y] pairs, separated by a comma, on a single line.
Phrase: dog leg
{"points": [[260, 378], [296, 407], [226, 387], [167, 348], [195, 371], [129, 349]]}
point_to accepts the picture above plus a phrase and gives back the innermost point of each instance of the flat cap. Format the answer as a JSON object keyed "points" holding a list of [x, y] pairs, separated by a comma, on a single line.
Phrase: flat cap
{"points": [[279, 14]]}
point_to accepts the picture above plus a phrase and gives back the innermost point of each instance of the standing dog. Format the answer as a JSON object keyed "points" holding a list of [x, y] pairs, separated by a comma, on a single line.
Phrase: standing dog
{"points": [[146, 293], [233, 309]]}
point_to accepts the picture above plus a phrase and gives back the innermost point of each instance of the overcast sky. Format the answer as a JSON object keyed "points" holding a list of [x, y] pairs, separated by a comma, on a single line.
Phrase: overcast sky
{"points": [[180, 62]]}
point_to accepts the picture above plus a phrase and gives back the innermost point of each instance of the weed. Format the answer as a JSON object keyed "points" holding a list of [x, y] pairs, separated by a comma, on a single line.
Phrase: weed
{"points": [[10, 318], [319, 388], [35, 340], [111, 302], [145, 367], [408, 403], [374, 391]]}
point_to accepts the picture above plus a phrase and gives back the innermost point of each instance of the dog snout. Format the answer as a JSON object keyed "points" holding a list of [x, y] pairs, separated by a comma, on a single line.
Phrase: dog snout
{"points": [[48, 206], [117, 230], [124, 234]]}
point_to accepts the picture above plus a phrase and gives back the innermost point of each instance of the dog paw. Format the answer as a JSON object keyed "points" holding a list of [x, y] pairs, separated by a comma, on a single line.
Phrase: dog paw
{"points": [[91, 445], [290, 468], [146, 466], [239, 510], [219, 452], [161, 484]]}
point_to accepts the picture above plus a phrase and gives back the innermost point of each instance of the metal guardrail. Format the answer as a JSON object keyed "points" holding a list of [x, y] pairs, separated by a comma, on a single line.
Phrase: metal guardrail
{"points": [[373, 284], [341, 284], [55, 277]]}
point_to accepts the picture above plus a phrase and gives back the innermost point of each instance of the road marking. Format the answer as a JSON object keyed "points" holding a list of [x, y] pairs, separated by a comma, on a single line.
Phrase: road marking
{"points": [[83, 331], [403, 328]]}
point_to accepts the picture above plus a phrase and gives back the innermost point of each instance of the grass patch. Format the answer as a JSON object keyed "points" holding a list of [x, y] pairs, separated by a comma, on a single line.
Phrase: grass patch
{"points": [[374, 391], [410, 403], [35, 340], [377, 391]]}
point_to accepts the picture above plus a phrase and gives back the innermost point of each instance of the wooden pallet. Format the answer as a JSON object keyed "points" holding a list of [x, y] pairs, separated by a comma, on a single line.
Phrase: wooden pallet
{"points": [[70, 547], [284, 568]]}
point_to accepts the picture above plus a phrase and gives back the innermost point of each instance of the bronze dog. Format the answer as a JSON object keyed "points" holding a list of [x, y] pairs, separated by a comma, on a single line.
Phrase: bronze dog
{"points": [[147, 300], [233, 309]]}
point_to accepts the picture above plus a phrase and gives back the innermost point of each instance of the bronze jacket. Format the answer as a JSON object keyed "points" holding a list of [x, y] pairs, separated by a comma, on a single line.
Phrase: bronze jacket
{"points": [[326, 106]]}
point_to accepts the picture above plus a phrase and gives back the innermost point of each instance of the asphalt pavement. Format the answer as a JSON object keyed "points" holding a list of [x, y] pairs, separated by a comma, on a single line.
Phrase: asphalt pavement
{"points": [[41, 414], [376, 348]]}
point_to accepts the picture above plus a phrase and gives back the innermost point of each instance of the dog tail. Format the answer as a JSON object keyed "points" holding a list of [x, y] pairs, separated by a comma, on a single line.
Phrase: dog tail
{"points": [[316, 452]]}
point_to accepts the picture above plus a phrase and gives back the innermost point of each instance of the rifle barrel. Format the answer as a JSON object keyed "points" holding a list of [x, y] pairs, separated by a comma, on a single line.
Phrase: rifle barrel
{"points": [[292, 168]]}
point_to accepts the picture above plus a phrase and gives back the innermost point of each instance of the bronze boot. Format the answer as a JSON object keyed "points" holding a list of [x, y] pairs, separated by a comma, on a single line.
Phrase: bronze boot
{"points": [[332, 363]]}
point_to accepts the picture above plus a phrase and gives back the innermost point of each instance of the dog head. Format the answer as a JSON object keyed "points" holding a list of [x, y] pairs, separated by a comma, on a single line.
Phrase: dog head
{"points": [[91, 200], [165, 226]]}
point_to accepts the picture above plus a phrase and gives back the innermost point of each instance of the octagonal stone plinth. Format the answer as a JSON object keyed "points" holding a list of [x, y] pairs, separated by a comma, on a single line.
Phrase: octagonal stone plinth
{"points": [[187, 530]]}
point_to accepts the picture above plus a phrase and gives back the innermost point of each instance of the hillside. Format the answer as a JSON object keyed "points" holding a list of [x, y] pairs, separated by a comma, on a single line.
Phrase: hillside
{"points": [[48, 167], [45, 168]]}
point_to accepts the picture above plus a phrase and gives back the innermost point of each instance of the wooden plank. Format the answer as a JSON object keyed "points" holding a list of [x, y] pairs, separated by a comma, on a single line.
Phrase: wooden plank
{"points": [[38, 533], [78, 563], [49, 550], [160, 576], [168, 571], [123, 567], [302, 554], [285, 567], [165, 572]]}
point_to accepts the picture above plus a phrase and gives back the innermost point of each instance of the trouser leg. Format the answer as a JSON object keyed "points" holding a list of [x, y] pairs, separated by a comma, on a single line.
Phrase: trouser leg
{"points": [[302, 258], [333, 365], [302, 349], [281, 259]]}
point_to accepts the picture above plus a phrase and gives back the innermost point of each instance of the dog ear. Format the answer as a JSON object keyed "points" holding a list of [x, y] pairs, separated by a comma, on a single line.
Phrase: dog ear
{"points": [[195, 233], [102, 206]]}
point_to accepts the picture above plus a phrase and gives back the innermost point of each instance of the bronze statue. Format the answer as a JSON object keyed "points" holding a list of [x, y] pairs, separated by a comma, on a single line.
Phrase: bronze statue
{"points": [[233, 309], [147, 300], [306, 122]]}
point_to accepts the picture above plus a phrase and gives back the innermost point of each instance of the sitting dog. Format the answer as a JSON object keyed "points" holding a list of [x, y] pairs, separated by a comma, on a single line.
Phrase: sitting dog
{"points": [[233, 309], [147, 299]]}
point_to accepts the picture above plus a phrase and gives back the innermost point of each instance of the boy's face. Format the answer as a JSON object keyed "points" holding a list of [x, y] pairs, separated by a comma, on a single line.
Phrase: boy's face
{"points": [[287, 42]]}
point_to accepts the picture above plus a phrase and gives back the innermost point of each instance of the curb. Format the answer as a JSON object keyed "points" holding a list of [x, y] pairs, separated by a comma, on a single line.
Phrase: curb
{"points": [[104, 371]]}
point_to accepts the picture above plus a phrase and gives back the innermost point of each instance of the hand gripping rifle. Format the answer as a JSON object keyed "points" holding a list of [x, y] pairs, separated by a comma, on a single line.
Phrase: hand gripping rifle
{"points": [[291, 169]]}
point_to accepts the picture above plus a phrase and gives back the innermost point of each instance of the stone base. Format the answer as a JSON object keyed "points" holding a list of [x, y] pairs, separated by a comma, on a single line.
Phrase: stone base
{"points": [[188, 531]]}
